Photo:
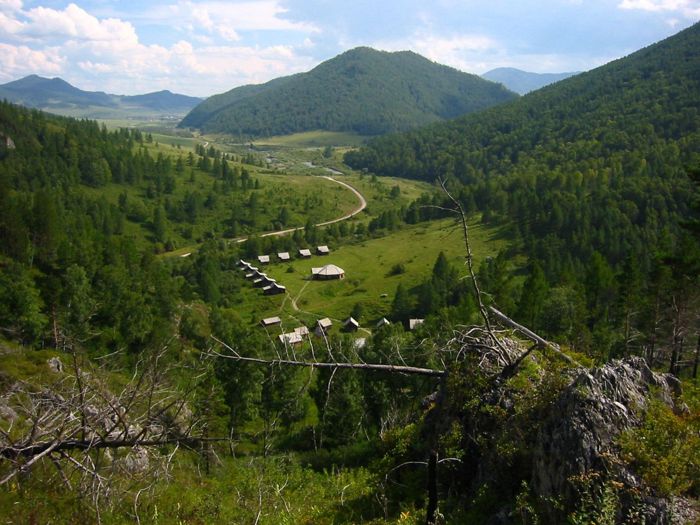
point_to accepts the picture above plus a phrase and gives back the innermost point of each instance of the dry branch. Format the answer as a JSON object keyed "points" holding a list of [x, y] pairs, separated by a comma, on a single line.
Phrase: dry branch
{"points": [[336, 365], [541, 342], [73, 423], [472, 274]]}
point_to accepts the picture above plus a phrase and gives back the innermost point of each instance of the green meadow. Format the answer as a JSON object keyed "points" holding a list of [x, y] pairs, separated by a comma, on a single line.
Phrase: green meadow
{"points": [[370, 277], [313, 139]]}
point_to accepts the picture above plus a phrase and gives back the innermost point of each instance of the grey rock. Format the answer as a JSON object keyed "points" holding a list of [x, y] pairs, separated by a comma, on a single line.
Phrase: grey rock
{"points": [[137, 461], [6, 411], [579, 436], [55, 365]]}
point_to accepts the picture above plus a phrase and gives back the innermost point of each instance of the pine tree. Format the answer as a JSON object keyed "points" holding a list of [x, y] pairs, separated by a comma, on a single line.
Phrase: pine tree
{"points": [[533, 297]]}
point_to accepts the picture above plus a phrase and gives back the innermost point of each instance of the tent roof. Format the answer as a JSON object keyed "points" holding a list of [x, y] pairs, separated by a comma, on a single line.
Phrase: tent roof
{"points": [[328, 270]]}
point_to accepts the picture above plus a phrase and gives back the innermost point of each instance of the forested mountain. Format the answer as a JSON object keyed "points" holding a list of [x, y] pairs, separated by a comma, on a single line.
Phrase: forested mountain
{"points": [[165, 101], [363, 90], [590, 177], [523, 82], [135, 386], [57, 95]]}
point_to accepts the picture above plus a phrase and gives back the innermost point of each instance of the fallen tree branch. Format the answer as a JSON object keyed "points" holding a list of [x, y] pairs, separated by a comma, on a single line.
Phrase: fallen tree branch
{"points": [[541, 342], [37, 450], [318, 364]]}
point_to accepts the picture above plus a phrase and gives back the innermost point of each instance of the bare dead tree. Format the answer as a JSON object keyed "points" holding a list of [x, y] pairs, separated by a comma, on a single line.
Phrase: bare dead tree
{"points": [[472, 274], [539, 341], [102, 443]]}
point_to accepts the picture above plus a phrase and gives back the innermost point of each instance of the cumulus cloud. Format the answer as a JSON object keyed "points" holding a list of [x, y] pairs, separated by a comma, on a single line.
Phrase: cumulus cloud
{"points": [[255, 15], [41, 26], [9, 26], [687, 8], [465, 52], [10, 6], [478, 54], [17, 61], [107, 54]]}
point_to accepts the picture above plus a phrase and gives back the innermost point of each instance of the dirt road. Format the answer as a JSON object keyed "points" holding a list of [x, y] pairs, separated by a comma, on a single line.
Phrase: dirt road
{"points": [[362, 206]]}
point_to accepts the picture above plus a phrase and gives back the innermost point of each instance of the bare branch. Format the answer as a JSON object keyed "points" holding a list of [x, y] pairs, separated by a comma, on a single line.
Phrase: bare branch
{"points": [[317, 364], [472, 274], [541, 343]]}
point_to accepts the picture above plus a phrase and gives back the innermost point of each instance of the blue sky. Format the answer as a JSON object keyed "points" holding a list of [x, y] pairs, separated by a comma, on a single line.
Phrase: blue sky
{"points": [[206, 47]]}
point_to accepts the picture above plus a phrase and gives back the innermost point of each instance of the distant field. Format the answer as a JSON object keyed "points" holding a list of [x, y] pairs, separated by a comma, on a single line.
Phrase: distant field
{"points": [[312, 139], [175, 140], [305, 198], [377, 191], [130, 117], [367, 266]]}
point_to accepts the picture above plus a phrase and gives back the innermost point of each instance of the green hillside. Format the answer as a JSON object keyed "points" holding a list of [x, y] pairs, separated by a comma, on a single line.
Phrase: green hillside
{"points": [[363, 90], [143, 379], [590, 177], [58, 96], [630, 105]]}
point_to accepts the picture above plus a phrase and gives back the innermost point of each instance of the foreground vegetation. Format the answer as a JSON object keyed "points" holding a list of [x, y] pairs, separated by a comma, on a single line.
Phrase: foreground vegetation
{"points": [[136, 386], [590, 177]]}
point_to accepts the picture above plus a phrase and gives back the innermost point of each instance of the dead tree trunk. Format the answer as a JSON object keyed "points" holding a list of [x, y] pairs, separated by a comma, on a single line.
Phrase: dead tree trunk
{"points": [[431, 513], [399, 369], [675, 355], [539, 341]]}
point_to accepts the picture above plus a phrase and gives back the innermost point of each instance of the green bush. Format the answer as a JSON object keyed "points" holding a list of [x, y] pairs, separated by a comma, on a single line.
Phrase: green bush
{"points": [[665, 450]]}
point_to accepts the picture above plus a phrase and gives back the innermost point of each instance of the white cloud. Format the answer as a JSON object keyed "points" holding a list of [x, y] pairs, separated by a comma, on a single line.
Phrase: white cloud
{"points": [[201, 16], [10, 6], [463, 52], [19, 61], [478, 54], [107, 54], [75, 23], [229, 17], [9, 26], [687, 8], [227, 33], [228, 66]]}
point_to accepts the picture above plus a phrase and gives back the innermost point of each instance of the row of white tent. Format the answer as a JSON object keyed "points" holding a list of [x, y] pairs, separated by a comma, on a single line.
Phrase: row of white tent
{"points": [[260, 279], [303, 253], [323, 326]]}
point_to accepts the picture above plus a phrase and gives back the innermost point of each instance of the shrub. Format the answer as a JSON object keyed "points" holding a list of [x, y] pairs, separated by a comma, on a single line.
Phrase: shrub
{"points": [[665, 450], [397, 269]]}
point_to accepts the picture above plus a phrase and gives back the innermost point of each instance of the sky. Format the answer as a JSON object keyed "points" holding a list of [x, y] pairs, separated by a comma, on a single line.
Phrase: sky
{"points": [[205, 47]]}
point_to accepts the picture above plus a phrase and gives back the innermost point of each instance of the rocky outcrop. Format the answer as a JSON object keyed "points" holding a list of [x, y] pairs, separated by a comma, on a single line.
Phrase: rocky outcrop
{"points": [[55, 365], [578, 439]]}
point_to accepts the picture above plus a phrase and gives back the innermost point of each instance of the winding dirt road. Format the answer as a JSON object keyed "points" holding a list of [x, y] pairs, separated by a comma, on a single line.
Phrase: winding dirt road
{"points": [[362, 206]]}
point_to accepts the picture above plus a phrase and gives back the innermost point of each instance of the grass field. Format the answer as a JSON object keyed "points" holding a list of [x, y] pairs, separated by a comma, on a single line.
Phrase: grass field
{"points": [[305, 198], [368, 267], [312, 139]]}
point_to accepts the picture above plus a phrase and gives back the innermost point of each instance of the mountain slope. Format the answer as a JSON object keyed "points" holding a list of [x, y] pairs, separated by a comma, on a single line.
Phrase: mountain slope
{"points": [[201, 114], [39, 92], [162, 101], [589, 178], [363, 90], [523, 82], [631, 104], [57, 95]]}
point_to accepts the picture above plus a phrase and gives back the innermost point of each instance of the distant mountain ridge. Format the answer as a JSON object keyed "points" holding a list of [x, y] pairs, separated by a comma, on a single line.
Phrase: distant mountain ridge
{"points": [[637, 106], [363, 90], [522, 82], [57, 95]]}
